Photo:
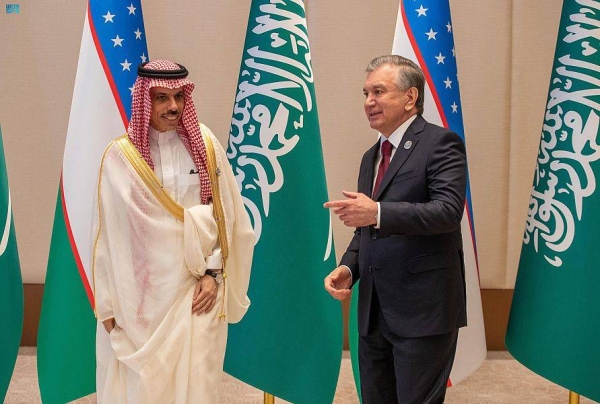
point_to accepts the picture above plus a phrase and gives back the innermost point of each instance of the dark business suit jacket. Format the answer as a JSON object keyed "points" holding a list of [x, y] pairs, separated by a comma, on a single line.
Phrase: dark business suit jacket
{"points": [[415, 260]]}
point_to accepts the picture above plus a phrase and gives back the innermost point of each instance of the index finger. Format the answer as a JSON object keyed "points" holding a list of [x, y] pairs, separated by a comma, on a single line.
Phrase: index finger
{"points": [[335, 204]]}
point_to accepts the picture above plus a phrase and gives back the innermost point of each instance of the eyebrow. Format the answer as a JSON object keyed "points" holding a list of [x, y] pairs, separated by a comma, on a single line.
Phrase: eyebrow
{"points": [[375, 86], [162, 93]]}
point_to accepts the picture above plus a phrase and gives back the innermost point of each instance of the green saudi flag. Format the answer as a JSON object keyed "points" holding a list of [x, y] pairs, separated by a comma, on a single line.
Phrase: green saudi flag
{"points": [[66, 357], [554, 326], [290, 342], [11, 286]]}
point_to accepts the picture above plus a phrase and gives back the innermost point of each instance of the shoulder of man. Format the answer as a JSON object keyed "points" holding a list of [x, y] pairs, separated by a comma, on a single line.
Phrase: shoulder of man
{"points": [[114, 142], [421, 123], [112, 148], [439, 133], [205, 130]]}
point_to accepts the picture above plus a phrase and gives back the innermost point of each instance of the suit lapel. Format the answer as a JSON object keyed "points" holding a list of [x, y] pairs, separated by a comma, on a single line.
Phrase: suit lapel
{"points": [[402, 153], [366, 185]]}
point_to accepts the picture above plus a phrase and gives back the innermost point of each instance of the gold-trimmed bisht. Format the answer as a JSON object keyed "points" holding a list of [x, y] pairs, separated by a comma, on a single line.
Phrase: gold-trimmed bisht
{"points": [[219, 213]]}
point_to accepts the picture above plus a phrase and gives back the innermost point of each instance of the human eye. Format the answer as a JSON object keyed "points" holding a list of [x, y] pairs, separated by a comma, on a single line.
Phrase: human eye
{"points": [[179, 96]]}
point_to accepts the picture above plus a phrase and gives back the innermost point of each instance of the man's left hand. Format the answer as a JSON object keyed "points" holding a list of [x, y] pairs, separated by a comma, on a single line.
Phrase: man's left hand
{"points": [[356, 211], [205, 295]]}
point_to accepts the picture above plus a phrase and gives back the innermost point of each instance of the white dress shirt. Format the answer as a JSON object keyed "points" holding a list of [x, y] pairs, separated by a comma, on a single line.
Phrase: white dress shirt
{"points": [[176, 170]]}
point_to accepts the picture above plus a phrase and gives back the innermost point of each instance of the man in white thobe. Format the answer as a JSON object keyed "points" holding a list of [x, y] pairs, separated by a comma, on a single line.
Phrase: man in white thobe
{"points": [[172, 252]]}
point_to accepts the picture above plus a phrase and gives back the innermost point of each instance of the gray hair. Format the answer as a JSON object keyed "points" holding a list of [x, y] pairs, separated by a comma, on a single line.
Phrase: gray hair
{"points": [[409, 75]]}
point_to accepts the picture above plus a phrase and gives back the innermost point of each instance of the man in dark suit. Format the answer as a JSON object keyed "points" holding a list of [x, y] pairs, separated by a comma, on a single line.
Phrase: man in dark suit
{"points": [[407, 246]]}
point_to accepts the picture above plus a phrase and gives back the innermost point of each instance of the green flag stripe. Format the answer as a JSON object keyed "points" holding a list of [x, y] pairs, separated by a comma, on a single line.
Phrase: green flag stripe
{"points": [[67, 329], [83, 277], [11, 285]]}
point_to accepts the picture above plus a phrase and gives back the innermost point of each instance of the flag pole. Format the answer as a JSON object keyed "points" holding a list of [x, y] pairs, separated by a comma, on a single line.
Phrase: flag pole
{"points": [[270, 398], [573, 398]]}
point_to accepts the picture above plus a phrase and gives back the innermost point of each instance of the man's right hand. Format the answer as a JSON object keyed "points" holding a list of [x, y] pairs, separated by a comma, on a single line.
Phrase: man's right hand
{"points": [[109, 324], [205, 295], [338, 283]]}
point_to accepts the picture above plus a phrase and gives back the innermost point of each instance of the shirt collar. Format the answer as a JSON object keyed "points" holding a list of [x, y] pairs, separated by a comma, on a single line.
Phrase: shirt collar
{"points": [[157, 137], [397, 135]]}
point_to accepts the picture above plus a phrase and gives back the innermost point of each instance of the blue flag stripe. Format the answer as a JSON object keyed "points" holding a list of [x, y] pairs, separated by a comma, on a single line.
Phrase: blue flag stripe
{"points": [[430, 30], [120, 38]]}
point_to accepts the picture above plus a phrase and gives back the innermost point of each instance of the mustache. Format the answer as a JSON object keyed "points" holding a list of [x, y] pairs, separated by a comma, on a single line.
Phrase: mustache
{"points": [[173, 112]]}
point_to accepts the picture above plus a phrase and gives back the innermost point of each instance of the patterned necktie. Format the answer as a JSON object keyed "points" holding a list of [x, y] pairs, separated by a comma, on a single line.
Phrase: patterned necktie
{"points": [[386, 154]]}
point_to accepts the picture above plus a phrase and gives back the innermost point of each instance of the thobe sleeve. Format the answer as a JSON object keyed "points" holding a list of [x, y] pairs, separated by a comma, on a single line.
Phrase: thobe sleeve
{"points": [[214, 260], [199, 236], [101, 262]]}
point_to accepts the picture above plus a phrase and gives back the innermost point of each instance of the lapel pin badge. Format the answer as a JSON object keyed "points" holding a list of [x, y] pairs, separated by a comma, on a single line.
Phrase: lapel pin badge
{"points": [[408, 144]]}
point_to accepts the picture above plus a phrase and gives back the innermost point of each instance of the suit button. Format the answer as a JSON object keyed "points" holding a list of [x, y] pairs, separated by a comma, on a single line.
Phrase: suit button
{"points": [[374, 237], [370, 268]]}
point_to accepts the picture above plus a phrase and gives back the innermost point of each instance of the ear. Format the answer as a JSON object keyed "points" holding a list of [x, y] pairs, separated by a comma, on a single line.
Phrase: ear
{"points": [[412, 94]]}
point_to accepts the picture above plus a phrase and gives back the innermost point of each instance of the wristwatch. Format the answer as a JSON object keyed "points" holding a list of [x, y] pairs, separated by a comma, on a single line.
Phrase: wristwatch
{"points": [[218, 276]]}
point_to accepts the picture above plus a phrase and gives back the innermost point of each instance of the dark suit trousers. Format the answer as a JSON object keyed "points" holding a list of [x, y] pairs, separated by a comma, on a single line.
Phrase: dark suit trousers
{"points": [[401, 370]]}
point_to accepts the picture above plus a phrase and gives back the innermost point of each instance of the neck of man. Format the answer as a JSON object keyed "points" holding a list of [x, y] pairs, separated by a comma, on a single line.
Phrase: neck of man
{"points": [[152, 129]]}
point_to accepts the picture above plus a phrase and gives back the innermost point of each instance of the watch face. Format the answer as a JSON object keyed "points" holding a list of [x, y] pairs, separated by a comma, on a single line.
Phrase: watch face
{"points": [[217, 276]]}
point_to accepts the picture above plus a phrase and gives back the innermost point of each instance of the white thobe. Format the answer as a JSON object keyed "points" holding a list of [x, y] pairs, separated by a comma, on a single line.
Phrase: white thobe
{"points": [[146, 264], [178, 174]]}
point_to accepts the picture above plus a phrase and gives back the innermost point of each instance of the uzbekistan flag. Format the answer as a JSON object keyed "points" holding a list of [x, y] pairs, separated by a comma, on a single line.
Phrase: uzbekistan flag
{"points": [[424, 35], [112, 46]]}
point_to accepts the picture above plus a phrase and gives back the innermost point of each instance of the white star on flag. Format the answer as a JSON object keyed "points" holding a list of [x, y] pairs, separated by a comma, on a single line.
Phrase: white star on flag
{"points": [[108, 17], [454, 107], [131, 89], [449, 26], [431, 34], [118, 41], [422, 11], [126, 65], [453, 52], [143, 57], [131, 9], [440, 58], [138, 34], [448, 82]]}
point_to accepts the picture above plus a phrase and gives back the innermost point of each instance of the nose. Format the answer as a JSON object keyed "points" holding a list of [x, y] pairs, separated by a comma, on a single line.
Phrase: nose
{"points": [[172, 104], [369, 100]]}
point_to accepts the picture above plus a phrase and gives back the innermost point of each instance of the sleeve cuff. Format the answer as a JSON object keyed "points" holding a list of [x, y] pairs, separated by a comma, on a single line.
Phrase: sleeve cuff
{"points": [[214, 261], [349, 271]]}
